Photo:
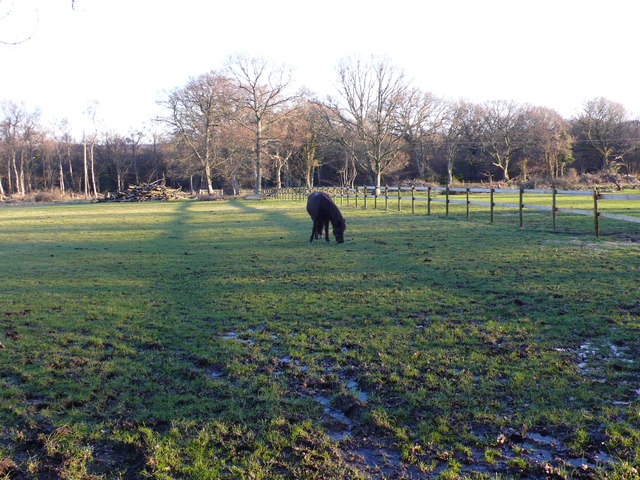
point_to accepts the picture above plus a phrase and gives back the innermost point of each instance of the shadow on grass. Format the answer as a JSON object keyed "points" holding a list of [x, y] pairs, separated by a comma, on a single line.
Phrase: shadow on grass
{"points": [[217, 319], [272, 217]]}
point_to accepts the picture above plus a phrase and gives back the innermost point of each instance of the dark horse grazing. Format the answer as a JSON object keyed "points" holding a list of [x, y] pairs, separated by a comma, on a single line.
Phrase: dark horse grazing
{"points": [[322, 211]]}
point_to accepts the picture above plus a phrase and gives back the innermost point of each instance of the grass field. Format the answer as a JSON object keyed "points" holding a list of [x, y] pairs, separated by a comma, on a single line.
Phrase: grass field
{"points": [[206, 340]]}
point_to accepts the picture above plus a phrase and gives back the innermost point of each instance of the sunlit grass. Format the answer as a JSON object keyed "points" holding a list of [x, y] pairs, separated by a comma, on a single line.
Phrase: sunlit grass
{"points": [[211, 340]]}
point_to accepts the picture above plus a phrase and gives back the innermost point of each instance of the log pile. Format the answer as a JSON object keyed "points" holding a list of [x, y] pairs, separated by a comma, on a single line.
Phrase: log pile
{"points": [[157, 191]]}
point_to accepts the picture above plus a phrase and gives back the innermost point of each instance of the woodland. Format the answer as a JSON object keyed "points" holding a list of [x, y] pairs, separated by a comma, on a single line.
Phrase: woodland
{"points": [[244, 126]]}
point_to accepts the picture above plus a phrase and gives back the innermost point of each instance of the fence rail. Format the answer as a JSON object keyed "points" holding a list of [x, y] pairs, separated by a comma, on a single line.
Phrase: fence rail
{"points": [[365, 194]]}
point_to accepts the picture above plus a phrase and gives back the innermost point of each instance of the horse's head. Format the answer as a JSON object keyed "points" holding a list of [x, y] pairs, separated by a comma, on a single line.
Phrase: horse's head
{"points": [[338, 230]]}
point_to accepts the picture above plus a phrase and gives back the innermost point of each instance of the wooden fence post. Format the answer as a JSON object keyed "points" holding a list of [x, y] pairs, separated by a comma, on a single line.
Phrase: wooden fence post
{"points": [[428, 200], [386, 197], [596, 214], [357, 196], [365, 196], [398, 197], [554, 208], [493, 204], [521, 208], [446, 202], [413, 199], [468, 204]]}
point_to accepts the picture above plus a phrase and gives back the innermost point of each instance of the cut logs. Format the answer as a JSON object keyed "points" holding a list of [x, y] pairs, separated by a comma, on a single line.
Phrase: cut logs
{"points": [[155, 191]]}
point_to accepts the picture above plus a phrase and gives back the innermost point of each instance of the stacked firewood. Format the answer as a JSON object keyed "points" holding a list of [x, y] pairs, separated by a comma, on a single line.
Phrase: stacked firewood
{"points": [[145, 192]]}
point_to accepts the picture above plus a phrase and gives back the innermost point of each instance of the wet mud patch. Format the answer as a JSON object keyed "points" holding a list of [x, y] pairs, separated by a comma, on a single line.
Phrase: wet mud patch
{"points": [[343, 406], [542, 454], [379, 459], [597, 362]]}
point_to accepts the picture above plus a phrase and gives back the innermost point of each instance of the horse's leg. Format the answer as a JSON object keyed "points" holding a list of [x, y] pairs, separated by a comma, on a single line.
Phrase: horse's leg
{"points": [[326, 230], [313, 231]]}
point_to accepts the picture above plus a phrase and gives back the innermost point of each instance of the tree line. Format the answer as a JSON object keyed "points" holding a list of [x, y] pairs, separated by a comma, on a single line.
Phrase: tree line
{"points": [[243, 126]]}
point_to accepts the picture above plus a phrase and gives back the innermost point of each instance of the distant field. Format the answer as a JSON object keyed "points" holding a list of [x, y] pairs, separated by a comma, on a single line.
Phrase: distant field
{"points": [[210, 340], [533, 219]]}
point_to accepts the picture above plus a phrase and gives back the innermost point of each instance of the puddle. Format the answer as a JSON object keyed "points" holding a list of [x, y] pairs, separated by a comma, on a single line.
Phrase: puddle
{"points": [[602, 457], [343, 424], [586, 352], [288, 362], [579, 462], [546, 449], [332, 412], [544, 439], [354, 388], [383, 461], [538, 454], [234, 336]]}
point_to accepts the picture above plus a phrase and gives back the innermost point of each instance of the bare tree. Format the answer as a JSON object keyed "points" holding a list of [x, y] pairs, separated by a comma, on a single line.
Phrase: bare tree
{"points": [[368, 107], [63, 148], [503, 133], [134, 140], [114, 149], [422, 115], [631, 138], [89, 139], [302, 140], [601, 126], [548, 141], [20, 134], [197, 113], [283, 147], [261, 95], [459, 131], [13, 117]]}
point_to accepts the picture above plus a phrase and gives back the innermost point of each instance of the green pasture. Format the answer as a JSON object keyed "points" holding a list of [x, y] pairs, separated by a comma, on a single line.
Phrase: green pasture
{"points": [[567, 222], [210, 340]]}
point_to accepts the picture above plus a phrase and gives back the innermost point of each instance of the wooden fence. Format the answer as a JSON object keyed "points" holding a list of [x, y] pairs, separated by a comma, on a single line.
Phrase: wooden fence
{"points": [[364, 195]]}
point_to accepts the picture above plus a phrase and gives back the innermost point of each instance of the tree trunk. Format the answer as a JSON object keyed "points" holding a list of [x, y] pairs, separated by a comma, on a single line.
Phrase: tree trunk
{"points": [[21, 182], [287, 175], [14, 165], [93, 173], [258, 157], [308, 179], [279, 176], [73, 181], [86, 170], [61, 174], [135, 164], [207, 175], [9, 180]]}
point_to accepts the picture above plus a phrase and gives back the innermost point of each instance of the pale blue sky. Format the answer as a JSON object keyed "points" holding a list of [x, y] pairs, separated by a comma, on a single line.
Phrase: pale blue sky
{"points": [[125, 53]]}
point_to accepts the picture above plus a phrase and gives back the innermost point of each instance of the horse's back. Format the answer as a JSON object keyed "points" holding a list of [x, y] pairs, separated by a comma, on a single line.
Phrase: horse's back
{"points": [[318, 204]]}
